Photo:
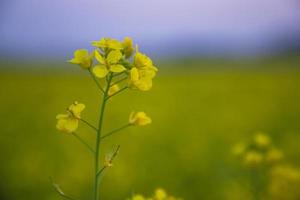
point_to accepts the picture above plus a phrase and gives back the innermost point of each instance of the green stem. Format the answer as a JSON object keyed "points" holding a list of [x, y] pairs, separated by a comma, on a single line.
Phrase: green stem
{"points": [[83, 142], [96, 81], [121, 90], [98, 140], [90, 125], [115, 131]]}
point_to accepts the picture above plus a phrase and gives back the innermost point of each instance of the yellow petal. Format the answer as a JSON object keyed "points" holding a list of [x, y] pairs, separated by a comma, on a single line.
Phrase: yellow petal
{"points": [[100, 71], [114, 56], [117, 68], [71, 125], [134, 74], [81, 53], [99, 57], [76, 109]]}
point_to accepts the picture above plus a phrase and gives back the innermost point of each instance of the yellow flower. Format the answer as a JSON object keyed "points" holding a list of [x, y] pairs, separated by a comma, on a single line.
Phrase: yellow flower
{"points": [[113, 89], [128, 47], [239, 149], [109, 43], [82, 58], [68, 123], [138, 197], [274, 155], [253, 159], [160, 194], [142, 73], [110, 63], [139, 119], [143, 61], [262, 140], [76, 109], [141, 78]]}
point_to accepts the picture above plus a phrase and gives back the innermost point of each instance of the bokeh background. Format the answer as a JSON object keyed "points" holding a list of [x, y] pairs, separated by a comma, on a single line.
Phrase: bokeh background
{"points": [[226, 70]]}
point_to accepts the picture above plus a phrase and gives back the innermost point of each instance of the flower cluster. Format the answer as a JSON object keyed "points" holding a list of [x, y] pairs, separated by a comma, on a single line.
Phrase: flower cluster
{"points": [[258, 152], [115, 56], [159, 194]]}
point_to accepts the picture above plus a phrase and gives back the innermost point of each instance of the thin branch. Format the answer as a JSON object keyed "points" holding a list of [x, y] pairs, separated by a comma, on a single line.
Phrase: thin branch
{"points": [[96, 81], [115, 131], [84, 143], [124, 88], [59, 190], [110, 161], [87, 123], [119, 81]]}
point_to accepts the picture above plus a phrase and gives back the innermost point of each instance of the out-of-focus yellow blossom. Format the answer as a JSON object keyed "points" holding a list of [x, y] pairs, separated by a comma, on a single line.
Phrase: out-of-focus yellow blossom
{"points": [[284, 183], [262, 140], [110, 63], [138, 197], [128, 47], [139, 119], [107, 161], [253, 159], [113, 89], [82, 58], [274, 155], [108, 43], [160, 194], [239, 149], [68, 123]]}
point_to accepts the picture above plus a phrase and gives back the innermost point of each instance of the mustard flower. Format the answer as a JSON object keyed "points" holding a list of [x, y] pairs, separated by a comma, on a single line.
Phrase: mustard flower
{"points": [[68, 123], [128, 47], [108, 43], [82, 58], [239, 149], [274, 155], [113, 89], [160, 194], [138, 197], [262, 140], [253, 158], [110, 63], [139, 119], [142, 72]]}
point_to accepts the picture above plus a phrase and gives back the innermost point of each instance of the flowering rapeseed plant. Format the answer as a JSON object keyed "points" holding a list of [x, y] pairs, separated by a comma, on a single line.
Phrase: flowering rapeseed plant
{"points": [[115, 62]]}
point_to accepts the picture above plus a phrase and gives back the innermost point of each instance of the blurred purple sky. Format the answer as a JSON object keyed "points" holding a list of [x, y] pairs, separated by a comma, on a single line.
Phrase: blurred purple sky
{"points": [[162, 27]]}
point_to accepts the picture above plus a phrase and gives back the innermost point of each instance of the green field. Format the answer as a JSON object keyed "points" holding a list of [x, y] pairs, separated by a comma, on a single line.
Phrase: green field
{"points": [[198, 114]]}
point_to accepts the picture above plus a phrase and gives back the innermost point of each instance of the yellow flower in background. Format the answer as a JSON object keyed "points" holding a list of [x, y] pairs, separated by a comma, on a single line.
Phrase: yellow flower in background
{"points": [[239, 149], [160, 194], [113, 89], [68, 123], [262, 140], [110, 63], [108, 43], [253, 159], [139, 119], [138, 197], [128, 47], [82, 58], [274, 155]]}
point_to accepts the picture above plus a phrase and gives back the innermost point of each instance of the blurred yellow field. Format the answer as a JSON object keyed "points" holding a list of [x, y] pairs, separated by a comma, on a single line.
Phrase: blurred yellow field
{"points": [[198, 115]]}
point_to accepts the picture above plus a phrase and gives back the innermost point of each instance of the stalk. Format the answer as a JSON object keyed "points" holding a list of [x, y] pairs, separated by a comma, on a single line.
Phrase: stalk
{"points": [[98, 139]]}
